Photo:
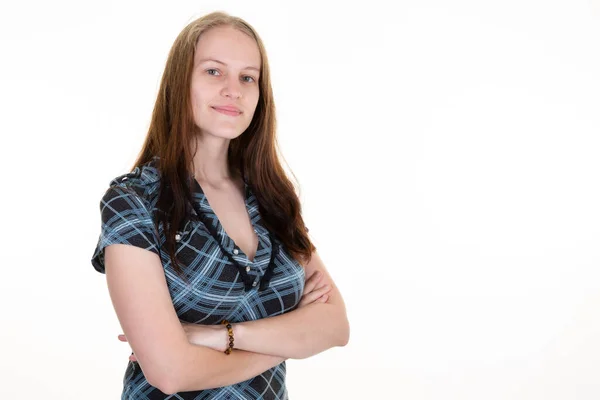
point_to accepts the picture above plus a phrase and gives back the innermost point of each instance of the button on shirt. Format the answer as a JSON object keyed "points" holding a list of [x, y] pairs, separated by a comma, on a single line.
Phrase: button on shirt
{"points": [[214, 287]]}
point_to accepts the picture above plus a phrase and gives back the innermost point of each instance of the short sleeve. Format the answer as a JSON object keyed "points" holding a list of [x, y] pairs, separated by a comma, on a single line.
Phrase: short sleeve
{"points": [[125, 220]]}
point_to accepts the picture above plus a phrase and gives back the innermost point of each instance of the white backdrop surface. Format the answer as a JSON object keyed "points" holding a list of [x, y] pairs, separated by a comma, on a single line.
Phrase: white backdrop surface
{"points": [[447, 155]]}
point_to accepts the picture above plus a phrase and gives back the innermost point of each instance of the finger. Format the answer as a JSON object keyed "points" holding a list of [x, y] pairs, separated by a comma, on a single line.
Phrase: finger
{"points": [[324, 298], [321, 291], [311, 283], [122, 338], [306, 295], [132, 357], [320, 285], [312, 296]]}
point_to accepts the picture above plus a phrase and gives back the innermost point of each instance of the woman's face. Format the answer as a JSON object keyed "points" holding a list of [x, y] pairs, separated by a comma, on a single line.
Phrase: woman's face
{"points": [[226, 73]]}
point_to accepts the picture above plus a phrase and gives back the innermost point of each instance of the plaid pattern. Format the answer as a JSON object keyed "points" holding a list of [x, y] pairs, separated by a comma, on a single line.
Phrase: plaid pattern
{"points": [[215, 289]]}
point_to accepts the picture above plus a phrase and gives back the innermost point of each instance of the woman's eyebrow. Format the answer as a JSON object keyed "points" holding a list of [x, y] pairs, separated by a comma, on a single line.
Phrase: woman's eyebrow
{"points": [[221, 62]]}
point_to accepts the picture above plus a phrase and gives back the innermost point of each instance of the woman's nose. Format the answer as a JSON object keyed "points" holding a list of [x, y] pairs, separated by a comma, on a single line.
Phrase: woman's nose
{"points": [[232, 87]]}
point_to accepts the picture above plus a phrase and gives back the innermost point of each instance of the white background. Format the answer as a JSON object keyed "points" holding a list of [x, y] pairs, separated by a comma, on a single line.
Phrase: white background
{"points": [[447, 155]]}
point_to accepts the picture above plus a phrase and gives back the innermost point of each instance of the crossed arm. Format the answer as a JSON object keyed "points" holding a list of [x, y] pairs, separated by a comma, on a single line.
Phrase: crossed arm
{"points": [[259, 345], [301, 333]]}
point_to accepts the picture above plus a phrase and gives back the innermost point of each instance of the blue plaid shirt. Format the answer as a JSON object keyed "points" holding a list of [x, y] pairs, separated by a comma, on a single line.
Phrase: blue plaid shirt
{"points": [[216, 288]]}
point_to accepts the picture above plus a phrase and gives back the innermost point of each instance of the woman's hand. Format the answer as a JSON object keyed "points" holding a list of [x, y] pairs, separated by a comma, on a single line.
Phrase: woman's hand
{"points": [[213, 336], [313, 292], [123, 338]]}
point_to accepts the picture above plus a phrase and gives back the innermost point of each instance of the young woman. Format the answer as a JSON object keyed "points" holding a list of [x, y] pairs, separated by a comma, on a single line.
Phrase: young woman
{"points": [[208, 262]]}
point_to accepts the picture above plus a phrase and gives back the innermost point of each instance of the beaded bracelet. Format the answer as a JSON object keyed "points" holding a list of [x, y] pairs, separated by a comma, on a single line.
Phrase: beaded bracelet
{"points": [[230, 332]]}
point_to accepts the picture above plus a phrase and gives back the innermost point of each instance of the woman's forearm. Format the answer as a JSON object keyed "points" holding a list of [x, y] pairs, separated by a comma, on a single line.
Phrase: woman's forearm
{"points": [[202, 368], [301, 333]]}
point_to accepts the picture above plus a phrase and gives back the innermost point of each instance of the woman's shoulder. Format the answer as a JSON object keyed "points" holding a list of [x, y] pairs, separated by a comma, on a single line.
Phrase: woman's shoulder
{"points": [[142, 181], [145, 174]]}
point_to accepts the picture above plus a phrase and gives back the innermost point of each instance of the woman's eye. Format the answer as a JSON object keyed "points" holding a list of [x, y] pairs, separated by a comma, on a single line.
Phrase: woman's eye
{"points": [[211, 70]]}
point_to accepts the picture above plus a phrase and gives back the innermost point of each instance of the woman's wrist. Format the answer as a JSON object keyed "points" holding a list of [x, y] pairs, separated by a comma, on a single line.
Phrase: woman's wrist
{"points": [[230, 338], [238, 332]]}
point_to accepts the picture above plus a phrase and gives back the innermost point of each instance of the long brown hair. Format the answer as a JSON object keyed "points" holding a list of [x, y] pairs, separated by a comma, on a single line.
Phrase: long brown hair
{"points": [[253, 154]]}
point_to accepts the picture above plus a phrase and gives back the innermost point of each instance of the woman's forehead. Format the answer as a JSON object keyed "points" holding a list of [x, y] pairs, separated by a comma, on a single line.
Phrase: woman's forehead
{"points": [[228, 46]]}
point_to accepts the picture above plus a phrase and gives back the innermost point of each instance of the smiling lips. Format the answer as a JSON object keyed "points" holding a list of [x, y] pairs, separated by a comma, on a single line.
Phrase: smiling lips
{"points": [[227, 110]]}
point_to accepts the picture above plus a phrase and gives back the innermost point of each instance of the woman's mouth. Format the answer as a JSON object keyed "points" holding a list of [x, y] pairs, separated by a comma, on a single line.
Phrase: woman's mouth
{"points": [[227, 112]]}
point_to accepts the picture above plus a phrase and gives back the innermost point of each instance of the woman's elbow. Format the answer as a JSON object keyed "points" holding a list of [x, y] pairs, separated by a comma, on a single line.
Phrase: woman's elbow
{"points": [[166, 389], [344, 333], [189, 371], [163, 382], [167, 384], [166, 374]]}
